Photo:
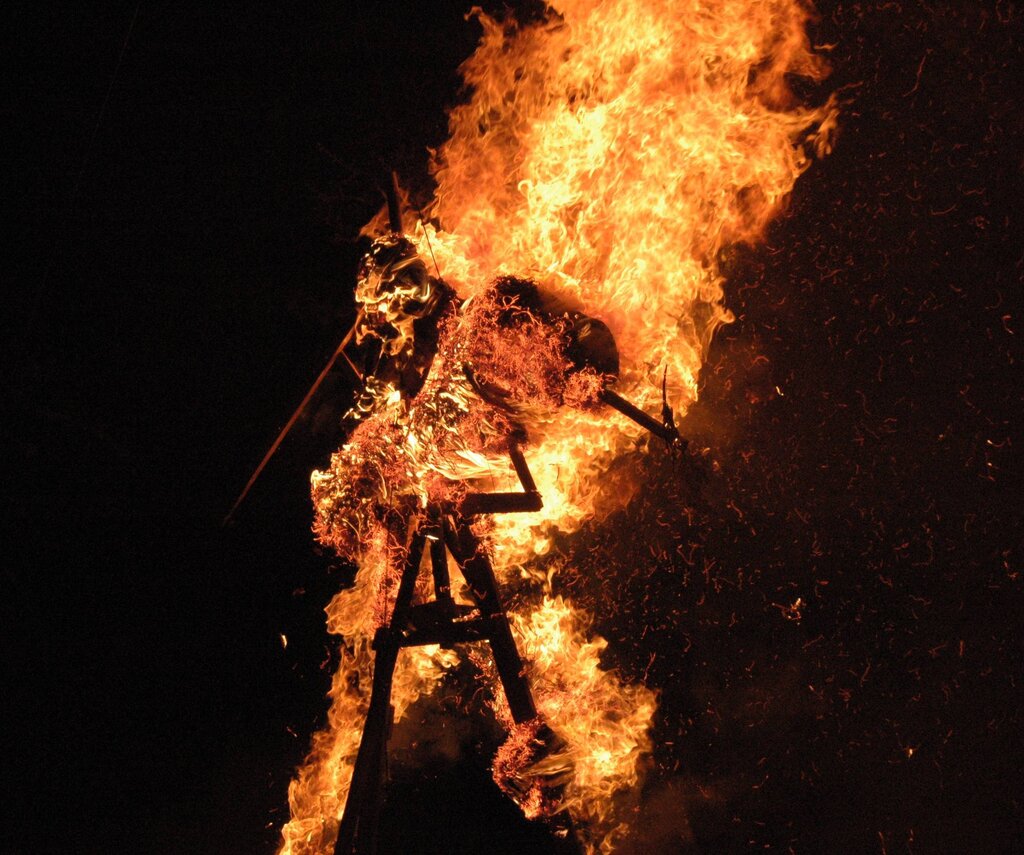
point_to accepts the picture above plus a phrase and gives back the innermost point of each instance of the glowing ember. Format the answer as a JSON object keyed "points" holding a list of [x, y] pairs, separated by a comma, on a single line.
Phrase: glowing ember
{"points": [[608, 154]]}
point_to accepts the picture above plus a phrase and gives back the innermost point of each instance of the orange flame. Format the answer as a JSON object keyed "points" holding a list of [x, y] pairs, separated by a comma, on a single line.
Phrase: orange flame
{"points": [[608, 152]]}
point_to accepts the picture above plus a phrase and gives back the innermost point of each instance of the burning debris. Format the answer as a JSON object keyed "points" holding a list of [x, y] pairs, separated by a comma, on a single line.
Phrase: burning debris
{"points": [[607, 155]]}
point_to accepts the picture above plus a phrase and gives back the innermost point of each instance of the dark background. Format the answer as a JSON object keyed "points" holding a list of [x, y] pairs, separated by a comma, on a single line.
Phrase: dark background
{"points": [[183, 185]]}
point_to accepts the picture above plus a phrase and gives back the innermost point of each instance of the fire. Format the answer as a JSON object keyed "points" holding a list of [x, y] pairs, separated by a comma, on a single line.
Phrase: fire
{"points": [[608, 153], [604, 719]]}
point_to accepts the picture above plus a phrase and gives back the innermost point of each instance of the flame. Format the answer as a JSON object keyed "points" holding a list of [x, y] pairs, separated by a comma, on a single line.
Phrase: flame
{"points": [[609, 152], [603, 719]]}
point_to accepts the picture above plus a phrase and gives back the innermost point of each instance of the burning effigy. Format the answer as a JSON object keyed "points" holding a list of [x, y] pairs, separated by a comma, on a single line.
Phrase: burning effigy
{"points": [[563, 284], [455, 391]]}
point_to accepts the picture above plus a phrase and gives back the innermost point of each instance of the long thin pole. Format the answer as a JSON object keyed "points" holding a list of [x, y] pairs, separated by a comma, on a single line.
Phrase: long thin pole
{"points": [[295, 416]]}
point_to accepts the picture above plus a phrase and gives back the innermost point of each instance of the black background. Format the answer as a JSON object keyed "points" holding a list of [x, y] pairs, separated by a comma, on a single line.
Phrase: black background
{"points": [[180, 252]]}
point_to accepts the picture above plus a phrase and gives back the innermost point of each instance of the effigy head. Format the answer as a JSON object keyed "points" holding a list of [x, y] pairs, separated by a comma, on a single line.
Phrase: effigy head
{"points": [[394, 290]]}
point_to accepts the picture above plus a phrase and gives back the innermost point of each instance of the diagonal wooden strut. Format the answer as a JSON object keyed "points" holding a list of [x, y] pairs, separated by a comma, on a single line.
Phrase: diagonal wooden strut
{"points": [[358, 830], [340, 351]]}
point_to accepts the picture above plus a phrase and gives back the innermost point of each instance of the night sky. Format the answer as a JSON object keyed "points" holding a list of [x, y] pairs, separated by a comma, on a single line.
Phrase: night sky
{"points": [[184, 185]]}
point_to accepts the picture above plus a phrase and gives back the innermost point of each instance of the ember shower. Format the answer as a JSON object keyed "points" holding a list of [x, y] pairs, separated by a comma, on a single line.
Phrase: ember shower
{"points": [[609, 153]]}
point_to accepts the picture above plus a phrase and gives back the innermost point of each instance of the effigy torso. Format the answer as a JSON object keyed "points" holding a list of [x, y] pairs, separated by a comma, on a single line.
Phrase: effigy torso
{"points": [[501, 368]]}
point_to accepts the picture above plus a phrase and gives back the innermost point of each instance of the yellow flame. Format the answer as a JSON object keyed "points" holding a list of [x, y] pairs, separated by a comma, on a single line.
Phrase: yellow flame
{"points": [[604, 720]]}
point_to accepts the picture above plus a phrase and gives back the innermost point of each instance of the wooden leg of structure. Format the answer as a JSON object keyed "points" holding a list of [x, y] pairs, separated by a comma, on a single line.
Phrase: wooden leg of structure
{"points": [[358, 830], [476, 568], [357, 834]]}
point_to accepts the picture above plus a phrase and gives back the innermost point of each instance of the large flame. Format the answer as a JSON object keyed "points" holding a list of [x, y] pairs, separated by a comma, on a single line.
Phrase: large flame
{"points": [[609, 152]]}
